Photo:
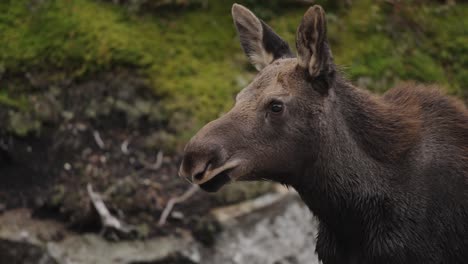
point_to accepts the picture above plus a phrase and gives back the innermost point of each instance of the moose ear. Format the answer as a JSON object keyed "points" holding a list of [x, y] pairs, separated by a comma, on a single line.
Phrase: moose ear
{"points": [[259, 42], [314, 53]]}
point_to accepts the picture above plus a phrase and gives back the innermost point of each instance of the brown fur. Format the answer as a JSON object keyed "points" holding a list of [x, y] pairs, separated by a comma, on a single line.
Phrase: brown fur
{"points": [[387, 176]]}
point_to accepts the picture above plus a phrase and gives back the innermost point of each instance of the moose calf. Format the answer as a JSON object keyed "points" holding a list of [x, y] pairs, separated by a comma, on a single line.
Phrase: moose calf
{"points": [[387, 176]]}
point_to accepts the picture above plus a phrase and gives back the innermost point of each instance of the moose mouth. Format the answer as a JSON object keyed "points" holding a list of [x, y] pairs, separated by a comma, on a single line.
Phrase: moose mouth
{"points": [[215, 183], [213, 179]]}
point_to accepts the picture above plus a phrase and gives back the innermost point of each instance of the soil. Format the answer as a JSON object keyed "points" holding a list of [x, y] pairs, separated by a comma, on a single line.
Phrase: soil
{"points": [[108, 131]]}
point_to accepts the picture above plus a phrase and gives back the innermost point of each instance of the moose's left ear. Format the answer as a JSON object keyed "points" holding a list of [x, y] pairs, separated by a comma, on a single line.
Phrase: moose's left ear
{"points": [[259, 42], [312, 45]]}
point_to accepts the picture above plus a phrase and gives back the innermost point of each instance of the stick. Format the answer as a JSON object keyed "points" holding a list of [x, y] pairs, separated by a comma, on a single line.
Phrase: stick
{"points": [[98, 139], [107, 219], [173, 201], [157, 165], [124, 146]]}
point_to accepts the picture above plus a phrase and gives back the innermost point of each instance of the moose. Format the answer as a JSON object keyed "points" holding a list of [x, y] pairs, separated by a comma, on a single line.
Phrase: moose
{"points": [[385, 175]]}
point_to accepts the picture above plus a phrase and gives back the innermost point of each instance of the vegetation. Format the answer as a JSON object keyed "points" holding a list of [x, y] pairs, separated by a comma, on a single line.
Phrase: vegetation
{"points": [[143, 75], [191, 58]]}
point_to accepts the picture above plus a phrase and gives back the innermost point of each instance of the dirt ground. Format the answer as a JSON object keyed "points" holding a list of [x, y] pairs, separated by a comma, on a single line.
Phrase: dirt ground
{"points": [[107, 132]]}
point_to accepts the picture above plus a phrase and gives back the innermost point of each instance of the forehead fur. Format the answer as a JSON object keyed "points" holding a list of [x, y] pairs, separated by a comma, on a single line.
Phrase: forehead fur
{"points": [[272, 80]]}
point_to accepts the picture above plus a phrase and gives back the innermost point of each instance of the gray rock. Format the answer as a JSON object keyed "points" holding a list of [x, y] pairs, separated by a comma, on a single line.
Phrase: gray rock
{"points": [[282, 232], [23, 252], [272, 229]]}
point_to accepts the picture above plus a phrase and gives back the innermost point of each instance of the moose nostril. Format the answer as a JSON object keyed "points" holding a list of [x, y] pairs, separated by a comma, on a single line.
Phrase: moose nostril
{"points": [[199, 176]]}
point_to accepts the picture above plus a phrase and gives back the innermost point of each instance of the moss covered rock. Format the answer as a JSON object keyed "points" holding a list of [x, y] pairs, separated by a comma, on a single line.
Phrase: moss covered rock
{"points": [[191, 57]]}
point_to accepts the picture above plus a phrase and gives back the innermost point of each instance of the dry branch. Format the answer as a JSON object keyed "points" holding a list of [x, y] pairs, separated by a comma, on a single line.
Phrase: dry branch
{"points": [[173, 201], [107, 219], [154, 166], [124, 146], [98, 139]]}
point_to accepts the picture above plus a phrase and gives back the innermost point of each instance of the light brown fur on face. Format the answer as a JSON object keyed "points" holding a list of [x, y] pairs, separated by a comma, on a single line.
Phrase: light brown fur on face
{"points": [[268, 84], [280, 81]]}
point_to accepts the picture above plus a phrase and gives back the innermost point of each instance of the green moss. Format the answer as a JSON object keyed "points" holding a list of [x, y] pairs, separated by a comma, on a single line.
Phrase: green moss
{"points": [[7, 100], [192, 58], [187, 61], [371, 41], [447, 43], [79, 35]]}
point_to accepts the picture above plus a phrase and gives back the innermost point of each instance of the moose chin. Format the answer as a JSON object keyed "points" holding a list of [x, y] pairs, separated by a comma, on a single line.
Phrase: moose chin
{"points": [[386, 176]]}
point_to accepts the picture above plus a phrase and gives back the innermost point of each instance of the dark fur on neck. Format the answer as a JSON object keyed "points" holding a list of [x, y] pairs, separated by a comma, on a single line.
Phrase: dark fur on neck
{"points": [[373, 187]]}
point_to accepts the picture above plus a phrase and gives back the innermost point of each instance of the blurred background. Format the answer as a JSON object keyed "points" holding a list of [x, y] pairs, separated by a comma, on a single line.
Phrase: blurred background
{"points": [[98, 98]]}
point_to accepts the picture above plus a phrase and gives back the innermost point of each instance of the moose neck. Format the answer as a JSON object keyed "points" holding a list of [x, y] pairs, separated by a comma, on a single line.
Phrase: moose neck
{"points": [[366, 143]]}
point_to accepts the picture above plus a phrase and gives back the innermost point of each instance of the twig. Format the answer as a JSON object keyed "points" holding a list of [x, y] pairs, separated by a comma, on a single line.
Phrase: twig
{"points": [[124, 146], [157, 165], [107, 219], [98, 139], [173, 201]]}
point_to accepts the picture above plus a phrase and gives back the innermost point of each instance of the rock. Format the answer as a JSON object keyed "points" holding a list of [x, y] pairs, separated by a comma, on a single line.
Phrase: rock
{"points": [[19, 241], [23, 252], [90, 248], [274, 228], [26, 240]]}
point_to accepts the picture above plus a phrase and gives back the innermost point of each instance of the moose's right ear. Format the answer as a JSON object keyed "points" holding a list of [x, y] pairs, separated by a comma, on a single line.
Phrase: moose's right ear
{"points": [[259, 42]]}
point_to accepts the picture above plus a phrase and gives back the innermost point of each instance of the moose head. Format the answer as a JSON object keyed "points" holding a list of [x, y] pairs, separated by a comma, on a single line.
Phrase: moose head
{"points": [[273, 132]]}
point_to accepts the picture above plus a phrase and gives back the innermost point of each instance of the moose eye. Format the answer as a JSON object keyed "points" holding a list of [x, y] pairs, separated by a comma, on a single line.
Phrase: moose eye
{"points": [[276, 107]]}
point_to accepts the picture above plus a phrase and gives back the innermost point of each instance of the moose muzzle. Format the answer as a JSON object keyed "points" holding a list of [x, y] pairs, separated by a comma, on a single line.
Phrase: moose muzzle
{"points": [[206, 161]]}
